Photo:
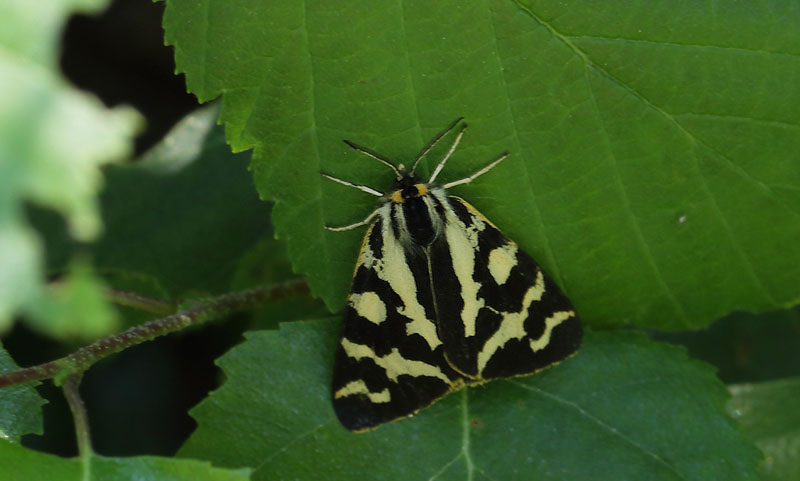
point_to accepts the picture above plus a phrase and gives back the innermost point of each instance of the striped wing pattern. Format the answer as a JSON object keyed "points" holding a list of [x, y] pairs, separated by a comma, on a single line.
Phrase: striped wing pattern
{"points": [[419, 323]]}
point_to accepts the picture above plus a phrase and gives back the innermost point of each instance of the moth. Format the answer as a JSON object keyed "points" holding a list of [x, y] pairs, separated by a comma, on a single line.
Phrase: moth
{"points": [[440, 299]]}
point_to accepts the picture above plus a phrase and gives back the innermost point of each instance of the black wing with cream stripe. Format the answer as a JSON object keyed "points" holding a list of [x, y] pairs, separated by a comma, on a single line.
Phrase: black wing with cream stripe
{"points": [[390, 361], [511, 319]]}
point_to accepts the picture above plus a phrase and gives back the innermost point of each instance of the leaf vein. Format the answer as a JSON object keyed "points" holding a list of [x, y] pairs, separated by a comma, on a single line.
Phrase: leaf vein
{"points": [[768, 122], [296, 439], [740, 252], [465, 435], [626, 204], [409, 69], [204, 46], [446, 466], [326, 253], [586, 414], [683, 45], [554, 271]]}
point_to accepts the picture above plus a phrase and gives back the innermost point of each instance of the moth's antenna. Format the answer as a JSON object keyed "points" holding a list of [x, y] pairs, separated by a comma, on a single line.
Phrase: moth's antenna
{"points": [[449, 153], [376, 156], [433, 142]]}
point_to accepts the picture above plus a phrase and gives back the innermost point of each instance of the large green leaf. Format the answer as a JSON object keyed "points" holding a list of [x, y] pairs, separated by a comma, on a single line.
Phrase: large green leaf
{"points": [[653, 145], [623, 408], [768, 414], [21, 464], [52, 140]]}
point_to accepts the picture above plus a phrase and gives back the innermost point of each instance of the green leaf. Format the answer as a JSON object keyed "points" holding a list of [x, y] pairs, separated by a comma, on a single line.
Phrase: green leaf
{"points": [[20, 406], [52, 140], [652, 155], [20, 464], [623, 408], [185, 213], [768, 414]]}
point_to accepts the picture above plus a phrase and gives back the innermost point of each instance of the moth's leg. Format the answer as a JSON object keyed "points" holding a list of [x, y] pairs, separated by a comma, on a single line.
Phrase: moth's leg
{"points": [[477, 174], [356, 225], [363, 188]]}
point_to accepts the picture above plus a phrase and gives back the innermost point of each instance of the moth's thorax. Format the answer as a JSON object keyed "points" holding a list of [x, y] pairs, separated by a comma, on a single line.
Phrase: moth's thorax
{"points": [[416, 211], [407, 187]]}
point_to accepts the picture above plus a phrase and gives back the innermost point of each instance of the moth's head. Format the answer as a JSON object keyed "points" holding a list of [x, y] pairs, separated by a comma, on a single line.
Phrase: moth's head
{"points": [[407, 186]]}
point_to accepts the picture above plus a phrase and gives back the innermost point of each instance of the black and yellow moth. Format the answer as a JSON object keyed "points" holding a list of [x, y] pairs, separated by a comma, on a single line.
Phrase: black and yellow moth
{"points": [[440, 299]]}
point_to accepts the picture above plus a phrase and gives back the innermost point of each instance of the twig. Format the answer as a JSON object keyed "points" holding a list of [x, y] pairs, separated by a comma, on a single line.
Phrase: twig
{"points": [[73, 395], [204, 310]]}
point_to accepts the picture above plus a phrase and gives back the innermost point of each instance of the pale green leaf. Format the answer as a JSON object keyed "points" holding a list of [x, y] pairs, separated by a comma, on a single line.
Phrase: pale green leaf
{"points": [[75, 307], [768, 413], [53, 139]]}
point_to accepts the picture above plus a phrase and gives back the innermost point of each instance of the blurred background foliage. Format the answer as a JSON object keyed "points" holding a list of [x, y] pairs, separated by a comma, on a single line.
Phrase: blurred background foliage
{"points": [[138, 400]]}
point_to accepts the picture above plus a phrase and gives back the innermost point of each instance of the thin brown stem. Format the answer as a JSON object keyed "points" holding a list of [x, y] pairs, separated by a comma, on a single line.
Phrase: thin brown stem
{"points": [[202, 311], [71, 390]]}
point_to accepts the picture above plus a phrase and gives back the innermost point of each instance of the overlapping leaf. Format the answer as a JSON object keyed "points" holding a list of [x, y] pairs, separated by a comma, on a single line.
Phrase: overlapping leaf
{"points": [[191, 208], [622, 408]]}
